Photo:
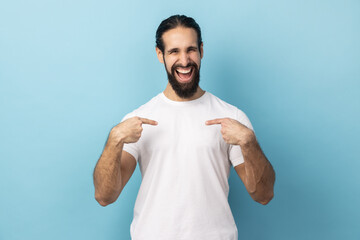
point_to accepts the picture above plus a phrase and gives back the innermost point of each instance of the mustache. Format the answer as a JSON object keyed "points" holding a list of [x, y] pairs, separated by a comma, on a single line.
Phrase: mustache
{"points": [[191, 64]]}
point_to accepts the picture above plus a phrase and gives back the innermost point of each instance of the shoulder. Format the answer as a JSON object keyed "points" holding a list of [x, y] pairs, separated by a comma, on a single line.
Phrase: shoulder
{"points": [[144, 109], [216, 101], [230, 110]]}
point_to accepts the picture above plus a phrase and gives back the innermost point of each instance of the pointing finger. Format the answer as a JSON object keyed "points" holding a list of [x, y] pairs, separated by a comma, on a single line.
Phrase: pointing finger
{"points": [[214, 121], [148, 121]]}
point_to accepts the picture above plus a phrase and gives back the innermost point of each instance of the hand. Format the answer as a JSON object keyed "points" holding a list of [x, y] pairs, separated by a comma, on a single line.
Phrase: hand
{"points": [[129, 131], [233, 132]]}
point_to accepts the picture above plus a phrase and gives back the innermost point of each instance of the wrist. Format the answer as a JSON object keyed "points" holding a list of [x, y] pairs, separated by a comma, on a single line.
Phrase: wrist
{"points": [[248, 139], [116, 138]]}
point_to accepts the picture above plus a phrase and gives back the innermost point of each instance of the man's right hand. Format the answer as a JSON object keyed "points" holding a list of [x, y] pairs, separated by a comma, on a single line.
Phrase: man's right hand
{"points": [[129, 131], [115, 167]]}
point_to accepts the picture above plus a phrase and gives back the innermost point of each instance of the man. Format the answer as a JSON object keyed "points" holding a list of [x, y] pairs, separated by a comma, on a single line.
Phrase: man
{"points": [[185, 140]]}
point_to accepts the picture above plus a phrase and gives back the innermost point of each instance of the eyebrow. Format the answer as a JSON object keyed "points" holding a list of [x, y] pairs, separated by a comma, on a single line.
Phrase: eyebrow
{"points": [[173, 49], [177, 49], [192, 48]]}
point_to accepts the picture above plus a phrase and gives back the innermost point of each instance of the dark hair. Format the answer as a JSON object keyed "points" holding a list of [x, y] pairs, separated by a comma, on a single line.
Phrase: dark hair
{"points": [[173, 22]]}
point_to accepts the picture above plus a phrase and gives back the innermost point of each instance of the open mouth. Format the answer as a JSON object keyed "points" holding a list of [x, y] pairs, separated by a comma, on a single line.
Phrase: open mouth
{"points": [[184, 74]]}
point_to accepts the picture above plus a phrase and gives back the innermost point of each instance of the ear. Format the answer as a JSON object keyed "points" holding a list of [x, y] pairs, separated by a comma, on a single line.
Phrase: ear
{"points": [[159, 54], [201, 50]]}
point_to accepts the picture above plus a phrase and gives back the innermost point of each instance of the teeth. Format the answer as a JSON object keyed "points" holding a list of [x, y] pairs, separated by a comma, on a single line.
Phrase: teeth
{"points": [[183, 70]]}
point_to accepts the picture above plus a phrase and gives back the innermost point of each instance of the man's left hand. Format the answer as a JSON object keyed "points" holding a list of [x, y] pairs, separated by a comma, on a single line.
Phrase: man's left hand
{"points": [[233, 131]]}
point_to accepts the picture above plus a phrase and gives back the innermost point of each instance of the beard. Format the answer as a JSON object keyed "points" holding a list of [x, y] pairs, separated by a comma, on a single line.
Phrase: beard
{"points": [[184, 90]]}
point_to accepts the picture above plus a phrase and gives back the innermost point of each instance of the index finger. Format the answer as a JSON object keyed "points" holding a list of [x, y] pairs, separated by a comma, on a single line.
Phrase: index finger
{"points": [[148, 121], [214, 121]]}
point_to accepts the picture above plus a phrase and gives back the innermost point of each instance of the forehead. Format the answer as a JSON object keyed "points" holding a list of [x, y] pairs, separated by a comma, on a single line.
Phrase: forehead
{"points": [[180, 37]]}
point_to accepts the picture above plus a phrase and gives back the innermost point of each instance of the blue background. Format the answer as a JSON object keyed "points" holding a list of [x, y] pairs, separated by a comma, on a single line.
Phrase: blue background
{"points": [[70, 70]]}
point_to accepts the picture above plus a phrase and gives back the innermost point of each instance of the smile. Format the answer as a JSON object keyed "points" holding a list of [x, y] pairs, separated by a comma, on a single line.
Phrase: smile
{"points": [[184, 74]]}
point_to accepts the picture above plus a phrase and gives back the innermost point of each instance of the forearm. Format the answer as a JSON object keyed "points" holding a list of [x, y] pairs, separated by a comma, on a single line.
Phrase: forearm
{"points": [[107, 173], [110, 175], [259, 174]]}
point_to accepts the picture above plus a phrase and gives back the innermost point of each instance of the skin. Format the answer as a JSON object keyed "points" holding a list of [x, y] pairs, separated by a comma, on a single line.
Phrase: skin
{"points": [[115, 167], [256, 172]]}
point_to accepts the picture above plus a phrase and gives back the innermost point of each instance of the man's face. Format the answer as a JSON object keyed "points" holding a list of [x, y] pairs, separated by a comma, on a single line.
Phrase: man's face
{"points": [[182, 60]]}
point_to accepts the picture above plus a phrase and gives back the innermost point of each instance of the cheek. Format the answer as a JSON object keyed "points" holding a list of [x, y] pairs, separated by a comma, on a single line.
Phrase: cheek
{"points": [[169, 62], [196, 58]]}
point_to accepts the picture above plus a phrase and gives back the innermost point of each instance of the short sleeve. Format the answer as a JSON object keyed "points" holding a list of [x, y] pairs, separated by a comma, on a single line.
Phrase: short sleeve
{"points": [[235, 154], [131, 148]]}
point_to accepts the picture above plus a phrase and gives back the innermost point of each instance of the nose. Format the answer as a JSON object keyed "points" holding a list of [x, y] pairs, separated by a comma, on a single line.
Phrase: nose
{"points": [[184, 59]]}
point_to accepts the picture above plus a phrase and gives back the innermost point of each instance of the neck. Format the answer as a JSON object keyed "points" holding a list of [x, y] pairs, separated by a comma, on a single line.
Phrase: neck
{"points": [[171, 94]]}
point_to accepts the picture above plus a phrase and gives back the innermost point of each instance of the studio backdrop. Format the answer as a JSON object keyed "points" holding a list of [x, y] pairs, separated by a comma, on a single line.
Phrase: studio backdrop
{"points": [[71, 70]]}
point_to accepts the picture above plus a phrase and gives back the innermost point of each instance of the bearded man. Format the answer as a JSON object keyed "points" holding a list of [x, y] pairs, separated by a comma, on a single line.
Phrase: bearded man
{"points": [[185, 141]]}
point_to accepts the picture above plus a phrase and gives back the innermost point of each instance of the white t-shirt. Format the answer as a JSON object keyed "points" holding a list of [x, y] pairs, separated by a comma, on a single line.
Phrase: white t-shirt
{"points": [[185, 166]]}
